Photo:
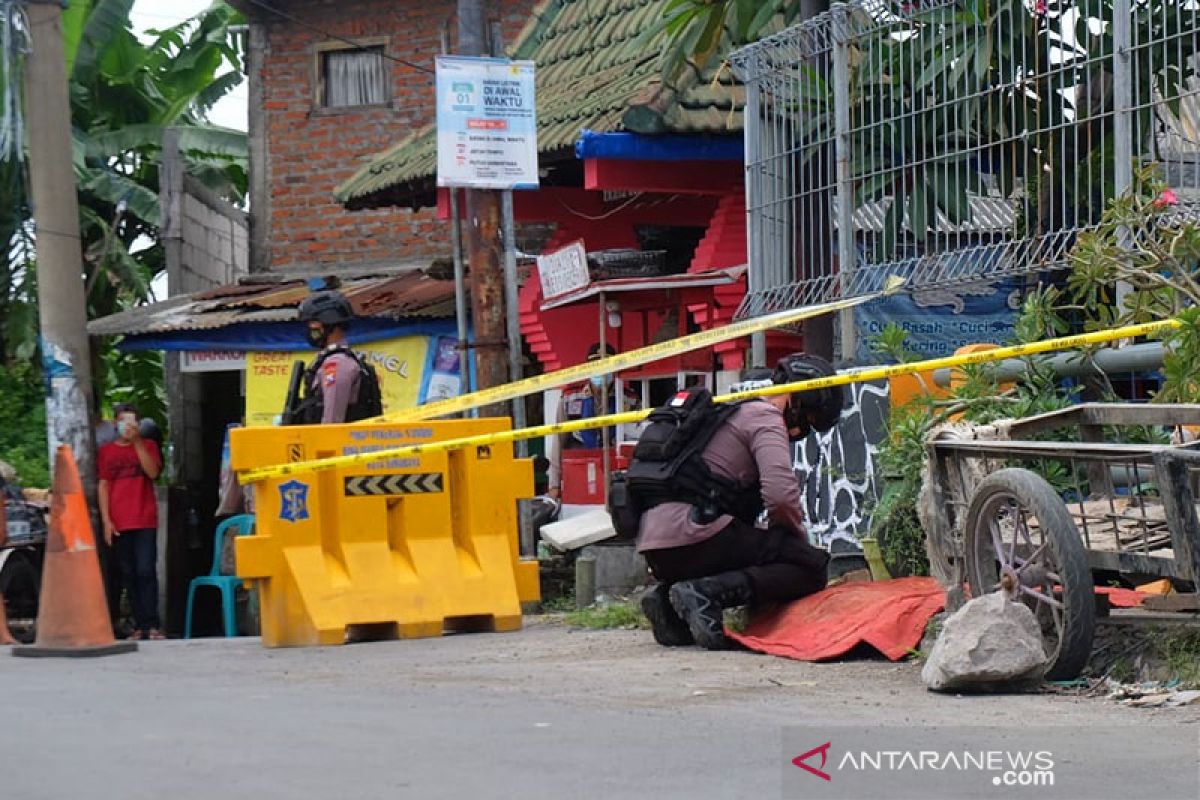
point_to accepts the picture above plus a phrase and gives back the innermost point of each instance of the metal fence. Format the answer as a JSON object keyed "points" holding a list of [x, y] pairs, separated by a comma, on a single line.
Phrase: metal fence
{"points": [[957, 143]]}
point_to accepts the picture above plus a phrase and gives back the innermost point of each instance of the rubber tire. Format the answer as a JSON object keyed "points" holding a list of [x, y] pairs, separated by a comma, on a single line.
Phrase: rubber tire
{"points": [[1038, 497]]}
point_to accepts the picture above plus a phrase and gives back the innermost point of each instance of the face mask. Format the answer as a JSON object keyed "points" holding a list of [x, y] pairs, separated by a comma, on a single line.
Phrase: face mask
{"points": [[597, 382], [317, 336]]}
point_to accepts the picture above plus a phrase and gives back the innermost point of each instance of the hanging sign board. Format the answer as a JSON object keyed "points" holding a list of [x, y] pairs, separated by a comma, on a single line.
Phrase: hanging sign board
{"points": [[486, 123], [563, 270]]}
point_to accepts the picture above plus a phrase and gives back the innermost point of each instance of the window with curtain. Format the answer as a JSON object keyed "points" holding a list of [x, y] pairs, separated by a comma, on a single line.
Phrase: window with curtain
{"points": [[354, 78]]}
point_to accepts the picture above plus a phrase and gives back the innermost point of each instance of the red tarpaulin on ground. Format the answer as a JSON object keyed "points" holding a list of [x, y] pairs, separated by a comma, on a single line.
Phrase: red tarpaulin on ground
{"points": [[888, 615]]}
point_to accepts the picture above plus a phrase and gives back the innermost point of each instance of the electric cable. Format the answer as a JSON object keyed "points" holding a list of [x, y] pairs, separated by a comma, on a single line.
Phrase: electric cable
{"points": [[296, 20]]}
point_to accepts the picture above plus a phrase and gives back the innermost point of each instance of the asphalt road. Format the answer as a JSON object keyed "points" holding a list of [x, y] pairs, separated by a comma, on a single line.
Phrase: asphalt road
{"points": [[541, 713]]}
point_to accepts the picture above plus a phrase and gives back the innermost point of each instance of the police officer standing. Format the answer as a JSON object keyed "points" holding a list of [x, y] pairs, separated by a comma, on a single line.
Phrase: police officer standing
{"points": [[707, 560], [338, 386]]}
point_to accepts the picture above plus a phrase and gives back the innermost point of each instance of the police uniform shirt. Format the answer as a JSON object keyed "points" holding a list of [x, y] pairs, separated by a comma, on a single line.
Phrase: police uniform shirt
{"points": [[338, 381]]}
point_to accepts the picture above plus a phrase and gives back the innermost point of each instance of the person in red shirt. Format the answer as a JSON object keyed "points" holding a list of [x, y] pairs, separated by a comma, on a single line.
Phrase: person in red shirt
{"points": [[127, 470]]}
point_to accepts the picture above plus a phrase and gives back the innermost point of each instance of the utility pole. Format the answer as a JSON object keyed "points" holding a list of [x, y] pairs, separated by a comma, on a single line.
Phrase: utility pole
{"points": [[62, 301], [482, 238]]}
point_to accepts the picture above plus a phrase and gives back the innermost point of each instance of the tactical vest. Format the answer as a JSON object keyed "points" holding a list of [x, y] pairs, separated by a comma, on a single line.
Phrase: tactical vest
{"points": [[668, 467], [368, 402]]}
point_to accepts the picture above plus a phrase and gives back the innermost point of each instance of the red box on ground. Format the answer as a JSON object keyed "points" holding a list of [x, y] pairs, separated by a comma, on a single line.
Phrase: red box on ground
{"points": [[583, 477]]}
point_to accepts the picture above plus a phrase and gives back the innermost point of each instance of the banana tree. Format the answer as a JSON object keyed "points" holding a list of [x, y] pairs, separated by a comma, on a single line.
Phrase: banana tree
{"points": [[125, 94]]}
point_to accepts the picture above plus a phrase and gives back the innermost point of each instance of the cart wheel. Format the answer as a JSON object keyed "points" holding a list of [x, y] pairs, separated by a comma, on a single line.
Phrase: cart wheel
{"points": [[1044, 566]]}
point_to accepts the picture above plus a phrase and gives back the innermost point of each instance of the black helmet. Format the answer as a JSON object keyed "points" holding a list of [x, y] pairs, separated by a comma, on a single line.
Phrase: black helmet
{"points": [[328, 307], [818, 409]]}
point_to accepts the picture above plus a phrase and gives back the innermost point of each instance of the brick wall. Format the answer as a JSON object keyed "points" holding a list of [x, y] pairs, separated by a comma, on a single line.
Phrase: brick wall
{"points": [[309, 150]]}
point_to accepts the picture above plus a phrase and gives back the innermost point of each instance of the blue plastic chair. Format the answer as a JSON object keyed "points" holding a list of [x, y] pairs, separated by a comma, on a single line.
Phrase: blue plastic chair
{"points": [[226, 584]]}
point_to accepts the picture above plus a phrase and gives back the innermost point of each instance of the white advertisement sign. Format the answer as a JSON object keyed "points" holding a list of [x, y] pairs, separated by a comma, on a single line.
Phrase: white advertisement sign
{"points": [[563, 270], [486, 123], [212, 360]]}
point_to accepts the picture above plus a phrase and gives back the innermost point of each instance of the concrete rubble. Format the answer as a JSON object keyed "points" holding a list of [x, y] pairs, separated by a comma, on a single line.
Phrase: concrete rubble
{"points": [[1151, 694], [989, 643]]}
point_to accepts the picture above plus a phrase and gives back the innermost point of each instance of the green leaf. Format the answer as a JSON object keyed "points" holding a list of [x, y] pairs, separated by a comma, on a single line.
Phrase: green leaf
{"points": [[73, 20], [209, 95], [759, 24], [108, 18], [983, 58], [214, 140], [123, 57], [934, 68], [710, 38], [113, 188]]}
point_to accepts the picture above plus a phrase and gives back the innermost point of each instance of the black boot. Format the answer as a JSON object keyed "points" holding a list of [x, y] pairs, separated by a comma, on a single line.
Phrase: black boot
{"points": [[669, 630], [702, 602]]}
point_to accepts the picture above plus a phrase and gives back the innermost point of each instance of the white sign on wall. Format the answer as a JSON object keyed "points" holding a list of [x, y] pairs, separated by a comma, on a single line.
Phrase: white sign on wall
{"points": [[486, 123], [563, 270], [212, 360]]}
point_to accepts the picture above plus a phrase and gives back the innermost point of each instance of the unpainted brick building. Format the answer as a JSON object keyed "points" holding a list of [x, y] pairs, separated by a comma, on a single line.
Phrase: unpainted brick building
{"points": [[328, 90]]}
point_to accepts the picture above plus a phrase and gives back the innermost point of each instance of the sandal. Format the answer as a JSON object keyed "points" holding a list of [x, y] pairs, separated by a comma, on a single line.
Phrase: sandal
{"points": [[135, 636], [156, 635]]}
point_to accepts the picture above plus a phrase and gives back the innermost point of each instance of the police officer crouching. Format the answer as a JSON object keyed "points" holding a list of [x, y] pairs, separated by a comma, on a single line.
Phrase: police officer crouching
{"points": [[339, 385], [700, 478]]}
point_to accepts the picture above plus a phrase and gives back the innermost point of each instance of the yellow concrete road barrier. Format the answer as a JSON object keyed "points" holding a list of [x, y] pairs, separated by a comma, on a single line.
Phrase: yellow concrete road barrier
{"points": [[863, 375], [389, 546]]}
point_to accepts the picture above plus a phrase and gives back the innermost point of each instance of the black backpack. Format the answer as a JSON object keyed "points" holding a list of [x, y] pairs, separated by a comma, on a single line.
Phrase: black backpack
{"points": [[368, 403], [668, 466]]}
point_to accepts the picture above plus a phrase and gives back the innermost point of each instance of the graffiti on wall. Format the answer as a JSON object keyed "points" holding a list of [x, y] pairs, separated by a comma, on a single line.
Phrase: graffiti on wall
{"points": [[839, 471]]}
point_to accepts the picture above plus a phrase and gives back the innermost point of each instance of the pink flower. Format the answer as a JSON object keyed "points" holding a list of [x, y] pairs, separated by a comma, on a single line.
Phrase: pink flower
{"points": [[1167, 198], [1039, 8], [907, 8]]}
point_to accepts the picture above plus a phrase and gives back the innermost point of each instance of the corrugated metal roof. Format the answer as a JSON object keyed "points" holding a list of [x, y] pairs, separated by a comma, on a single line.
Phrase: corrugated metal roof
{"points": [[260, 298], [591, 73], [988, 215]]}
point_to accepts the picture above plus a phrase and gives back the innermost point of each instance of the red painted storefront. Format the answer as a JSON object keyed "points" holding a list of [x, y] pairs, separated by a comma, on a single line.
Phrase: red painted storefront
{"points": [[678, 193]]}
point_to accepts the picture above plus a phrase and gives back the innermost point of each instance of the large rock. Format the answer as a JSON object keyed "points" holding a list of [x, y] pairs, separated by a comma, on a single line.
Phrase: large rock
{"points": [[989, 643]]}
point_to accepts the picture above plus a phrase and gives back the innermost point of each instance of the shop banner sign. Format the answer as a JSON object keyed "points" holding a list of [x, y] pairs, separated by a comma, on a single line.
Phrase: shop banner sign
{"points": [[486, 123], [399, 363], [942, 319], [212, 361]]}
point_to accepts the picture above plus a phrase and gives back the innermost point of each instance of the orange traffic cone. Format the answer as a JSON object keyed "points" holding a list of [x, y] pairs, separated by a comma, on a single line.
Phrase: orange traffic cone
{"points": [[73, 612]]}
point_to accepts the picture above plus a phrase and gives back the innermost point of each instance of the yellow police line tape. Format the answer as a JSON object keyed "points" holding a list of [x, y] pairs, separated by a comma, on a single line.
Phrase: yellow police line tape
{"points": [[840, 379], [630, 359]]}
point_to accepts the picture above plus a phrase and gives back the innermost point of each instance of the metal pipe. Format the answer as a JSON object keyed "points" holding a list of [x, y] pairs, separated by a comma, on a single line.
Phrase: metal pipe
{"points": [[756, 278], [513, 319], [604, 437], [1134, 358], [844, 172], [1123, 154], [460, 281]]}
